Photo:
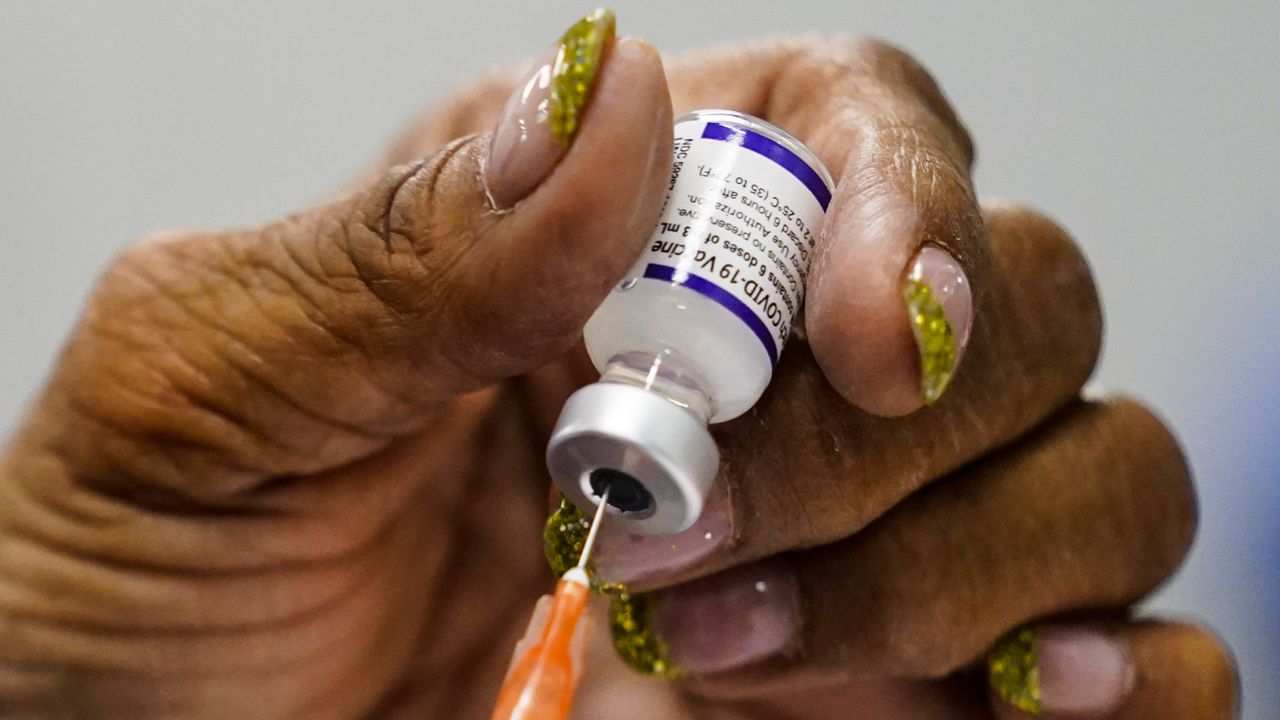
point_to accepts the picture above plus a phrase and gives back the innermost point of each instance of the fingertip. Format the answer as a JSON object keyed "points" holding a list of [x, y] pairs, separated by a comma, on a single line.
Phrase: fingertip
{"points": [[627, 132], [600, 204], [1136, 670], [642, 51], [537, 270], [857, 324], [1183, 670]]}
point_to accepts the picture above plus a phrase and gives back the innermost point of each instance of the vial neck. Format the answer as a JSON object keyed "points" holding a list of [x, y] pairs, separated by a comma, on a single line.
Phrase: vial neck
{"points": [[665, 375]]}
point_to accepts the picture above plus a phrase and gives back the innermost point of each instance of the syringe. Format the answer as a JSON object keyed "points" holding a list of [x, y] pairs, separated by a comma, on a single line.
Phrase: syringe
{"points": [[542, 681]]}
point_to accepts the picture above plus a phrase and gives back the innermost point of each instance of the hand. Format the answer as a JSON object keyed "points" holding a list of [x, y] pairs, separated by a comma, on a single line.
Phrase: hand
{"points": [[296, 470]]}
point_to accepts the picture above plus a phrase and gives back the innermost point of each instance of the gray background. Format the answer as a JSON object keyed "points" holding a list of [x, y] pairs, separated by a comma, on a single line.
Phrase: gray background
{"points": [[1148, 127]]}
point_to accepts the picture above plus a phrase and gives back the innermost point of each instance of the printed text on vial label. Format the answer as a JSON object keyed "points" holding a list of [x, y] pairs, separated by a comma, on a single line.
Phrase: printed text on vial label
{"points": [[738, 220]]}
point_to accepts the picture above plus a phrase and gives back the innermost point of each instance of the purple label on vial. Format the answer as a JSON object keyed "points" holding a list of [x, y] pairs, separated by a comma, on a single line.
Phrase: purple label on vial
{"points": [[779, 154], [723, 297]]}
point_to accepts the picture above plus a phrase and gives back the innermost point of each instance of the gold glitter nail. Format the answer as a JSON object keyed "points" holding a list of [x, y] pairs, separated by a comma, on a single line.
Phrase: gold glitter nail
{"points": [[577, 59], [634, 639], [1014, 672], [564, 535], [629, 614], [934, 338]]}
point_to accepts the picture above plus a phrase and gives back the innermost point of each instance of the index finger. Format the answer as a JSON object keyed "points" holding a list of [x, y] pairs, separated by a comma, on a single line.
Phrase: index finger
{"points": [[889, 304]]}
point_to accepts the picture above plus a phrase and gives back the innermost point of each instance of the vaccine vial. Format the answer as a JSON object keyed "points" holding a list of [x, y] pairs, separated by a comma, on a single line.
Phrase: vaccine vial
{"points": [[692, 334]]}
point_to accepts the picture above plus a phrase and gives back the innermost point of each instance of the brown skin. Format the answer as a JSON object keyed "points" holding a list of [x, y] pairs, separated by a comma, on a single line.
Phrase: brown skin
{"points": [[296, 471]]}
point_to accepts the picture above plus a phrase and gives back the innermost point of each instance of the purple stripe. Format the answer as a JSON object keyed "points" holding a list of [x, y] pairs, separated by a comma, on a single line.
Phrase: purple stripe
{"points": [[726, 299], [787, 160]]}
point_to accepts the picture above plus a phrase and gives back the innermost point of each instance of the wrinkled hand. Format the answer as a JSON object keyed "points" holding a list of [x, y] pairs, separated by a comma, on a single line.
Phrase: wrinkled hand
{"points": [[296, 471]]}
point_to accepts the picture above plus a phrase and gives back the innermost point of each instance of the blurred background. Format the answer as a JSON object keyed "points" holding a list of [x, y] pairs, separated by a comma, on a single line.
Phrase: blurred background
{"points": [[1150, 128]]}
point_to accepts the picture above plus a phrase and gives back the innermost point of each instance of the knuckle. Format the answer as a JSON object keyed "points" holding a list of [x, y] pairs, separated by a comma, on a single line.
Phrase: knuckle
{"points": [[858, 90], [415, 223], [927, 170], [899, 71]]}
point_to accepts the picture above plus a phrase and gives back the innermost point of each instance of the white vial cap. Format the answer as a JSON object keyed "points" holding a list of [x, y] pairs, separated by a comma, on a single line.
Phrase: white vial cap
{"points": [[658, 457]]}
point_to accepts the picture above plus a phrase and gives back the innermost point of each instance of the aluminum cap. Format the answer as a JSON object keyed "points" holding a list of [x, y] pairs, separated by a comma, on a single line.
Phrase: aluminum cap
{"points": [[640, 444]]}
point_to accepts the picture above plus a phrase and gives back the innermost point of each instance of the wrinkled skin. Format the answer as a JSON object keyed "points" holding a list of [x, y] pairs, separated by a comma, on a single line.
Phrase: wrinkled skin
{"points": [[296, 471]]}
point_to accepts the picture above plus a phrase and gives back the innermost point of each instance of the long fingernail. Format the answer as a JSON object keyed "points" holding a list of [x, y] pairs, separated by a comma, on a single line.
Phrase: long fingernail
{"points": [[940, 307], [726, 621], [634, 639], [564, 535], [1061, 670], [1014, 673], [543, 114], [625, 558]]}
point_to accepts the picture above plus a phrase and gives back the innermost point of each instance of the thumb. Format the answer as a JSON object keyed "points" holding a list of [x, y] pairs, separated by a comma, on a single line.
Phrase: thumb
{"points": [[317, 339]]}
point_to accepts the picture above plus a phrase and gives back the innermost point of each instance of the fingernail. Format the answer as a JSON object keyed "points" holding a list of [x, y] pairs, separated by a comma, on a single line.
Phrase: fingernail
{"points": [[1061, 670], [563, 536], [541, 117], [634, 638], [725, 621], [940, 306], [625, 558]]}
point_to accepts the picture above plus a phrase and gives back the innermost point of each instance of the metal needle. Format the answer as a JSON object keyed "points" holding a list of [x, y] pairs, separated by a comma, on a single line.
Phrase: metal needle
{"points": [[595, 529]]}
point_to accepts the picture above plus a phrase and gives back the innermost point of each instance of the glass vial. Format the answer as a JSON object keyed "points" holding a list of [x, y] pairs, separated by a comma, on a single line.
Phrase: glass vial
{"points": [[692, 335]]}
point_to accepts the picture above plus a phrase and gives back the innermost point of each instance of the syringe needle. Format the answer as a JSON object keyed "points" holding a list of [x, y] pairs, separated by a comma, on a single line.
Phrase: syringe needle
{"points": [[543, 679], [593, 530]]}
